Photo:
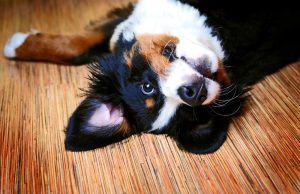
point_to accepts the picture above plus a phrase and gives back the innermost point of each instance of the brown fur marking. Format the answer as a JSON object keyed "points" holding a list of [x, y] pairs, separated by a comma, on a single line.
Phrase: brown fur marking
{"points": [[56, 48], [124, 128], [128, 55], [151, 46], [222, 76], [149, 102]]}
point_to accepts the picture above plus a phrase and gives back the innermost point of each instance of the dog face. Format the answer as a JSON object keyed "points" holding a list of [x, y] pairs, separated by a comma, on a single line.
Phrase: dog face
{"points": [[186, 73], [152, 83]]}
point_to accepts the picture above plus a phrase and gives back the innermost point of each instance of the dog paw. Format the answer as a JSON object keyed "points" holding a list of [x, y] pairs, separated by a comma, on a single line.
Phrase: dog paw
{"points": [[15, 41]]}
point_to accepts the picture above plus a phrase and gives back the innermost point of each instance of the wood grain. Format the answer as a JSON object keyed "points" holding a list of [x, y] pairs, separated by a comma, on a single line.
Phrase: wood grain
{"points": [[261, 154]]}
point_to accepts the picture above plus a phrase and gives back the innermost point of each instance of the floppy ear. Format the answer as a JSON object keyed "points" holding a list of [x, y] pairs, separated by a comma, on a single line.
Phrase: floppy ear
{"points": [[95, 124]]}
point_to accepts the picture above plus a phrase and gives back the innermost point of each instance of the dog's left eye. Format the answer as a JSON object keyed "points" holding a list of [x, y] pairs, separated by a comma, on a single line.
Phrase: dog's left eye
{"points": [[147, 89], [169, 51]]}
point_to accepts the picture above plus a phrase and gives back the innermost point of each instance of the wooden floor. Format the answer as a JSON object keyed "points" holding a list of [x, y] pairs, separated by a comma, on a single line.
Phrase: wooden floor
{"points": [[261, 154]]}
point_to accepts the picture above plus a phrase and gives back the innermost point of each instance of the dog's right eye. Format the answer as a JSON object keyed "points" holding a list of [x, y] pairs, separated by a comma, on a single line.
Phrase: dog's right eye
{"points": [[147, 89]]}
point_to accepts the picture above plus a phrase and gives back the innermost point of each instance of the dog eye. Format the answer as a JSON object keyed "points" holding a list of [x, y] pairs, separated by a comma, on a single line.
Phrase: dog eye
{"points": [[147, 89], [169, 51]]}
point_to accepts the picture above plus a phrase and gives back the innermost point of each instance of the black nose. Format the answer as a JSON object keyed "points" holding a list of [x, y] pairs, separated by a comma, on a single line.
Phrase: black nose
{"points": [[193, 94]]}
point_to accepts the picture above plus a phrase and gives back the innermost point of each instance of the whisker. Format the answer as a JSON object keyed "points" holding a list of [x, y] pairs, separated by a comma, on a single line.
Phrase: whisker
{"points": [[229, 86], [171, 54], [222, 103], [173, 50], [167, 44], [226, 115], [217, 105], [223, 93], [232, 87], [233, 98], [194, 114], [227, 66], [234, 95]]}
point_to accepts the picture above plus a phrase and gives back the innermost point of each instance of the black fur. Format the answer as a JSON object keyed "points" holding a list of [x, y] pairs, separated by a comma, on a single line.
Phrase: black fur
{"points": [[203, 129], [200, 129], [112, 82], [258, 38], [107, 25]]}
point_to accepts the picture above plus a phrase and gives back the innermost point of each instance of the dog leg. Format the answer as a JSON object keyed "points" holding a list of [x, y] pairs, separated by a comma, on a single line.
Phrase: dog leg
{"points": [[67, 49], [74, 49]]}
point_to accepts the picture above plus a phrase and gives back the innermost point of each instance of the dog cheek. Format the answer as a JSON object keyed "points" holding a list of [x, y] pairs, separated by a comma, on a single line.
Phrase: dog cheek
{"points": [[222, 75]]}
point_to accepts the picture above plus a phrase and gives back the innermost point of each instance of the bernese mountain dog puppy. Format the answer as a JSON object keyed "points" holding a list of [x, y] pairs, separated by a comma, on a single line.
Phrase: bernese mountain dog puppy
{"points": [[178, 67]]}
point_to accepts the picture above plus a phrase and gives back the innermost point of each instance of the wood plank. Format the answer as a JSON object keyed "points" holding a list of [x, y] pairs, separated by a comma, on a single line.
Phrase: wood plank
{"points": [[260, 155]]}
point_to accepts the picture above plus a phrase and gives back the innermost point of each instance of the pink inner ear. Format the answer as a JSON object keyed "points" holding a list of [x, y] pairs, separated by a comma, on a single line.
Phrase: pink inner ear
{"points": [[106, 115]]}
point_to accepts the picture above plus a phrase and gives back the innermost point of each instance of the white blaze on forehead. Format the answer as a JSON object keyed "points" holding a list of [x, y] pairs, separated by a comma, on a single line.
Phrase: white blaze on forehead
{"points": [[195, 50]]}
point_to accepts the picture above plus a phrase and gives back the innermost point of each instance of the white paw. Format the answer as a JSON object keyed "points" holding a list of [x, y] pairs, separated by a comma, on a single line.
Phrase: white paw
{"points": [[13, 43]]}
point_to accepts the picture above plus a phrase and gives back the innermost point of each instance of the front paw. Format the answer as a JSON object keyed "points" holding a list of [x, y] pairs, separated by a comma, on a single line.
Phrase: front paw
{"points": [[203, 138]]}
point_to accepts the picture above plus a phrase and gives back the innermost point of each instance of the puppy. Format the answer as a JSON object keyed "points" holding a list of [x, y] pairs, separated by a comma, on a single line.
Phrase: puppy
{"points": [[176, 67]]}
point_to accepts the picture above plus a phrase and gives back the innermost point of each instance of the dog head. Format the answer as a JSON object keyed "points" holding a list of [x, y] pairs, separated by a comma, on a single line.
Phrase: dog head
{"points": [[156, 83]]}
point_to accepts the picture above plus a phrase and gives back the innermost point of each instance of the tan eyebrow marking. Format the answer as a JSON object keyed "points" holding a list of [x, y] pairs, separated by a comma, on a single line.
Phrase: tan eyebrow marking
{"points": [[222, 75], [124, 128], [128, 55], [149, 102], [151, 47]]}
